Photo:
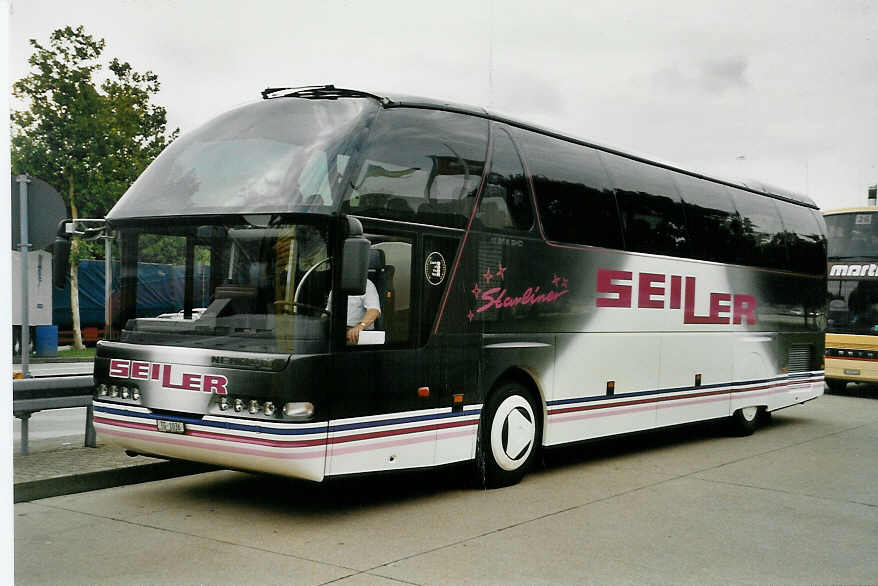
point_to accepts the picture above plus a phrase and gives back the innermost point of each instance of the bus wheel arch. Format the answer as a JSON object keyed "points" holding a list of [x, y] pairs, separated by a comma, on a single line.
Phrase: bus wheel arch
{"points": [[510, 431], [746, 420]]}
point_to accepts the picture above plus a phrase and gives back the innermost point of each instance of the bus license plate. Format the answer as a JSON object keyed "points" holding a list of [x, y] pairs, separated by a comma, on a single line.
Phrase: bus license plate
{"points": [[171, 426], [852, 371]]}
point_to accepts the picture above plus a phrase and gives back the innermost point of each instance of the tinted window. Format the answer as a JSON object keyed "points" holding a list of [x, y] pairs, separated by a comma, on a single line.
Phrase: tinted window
{"points": [[710, 217], [420, 165], [759, 231], [804, 238], [853, 307], [274, 156], [574, 198], [652, 213], [505, 204], [853, 235]]}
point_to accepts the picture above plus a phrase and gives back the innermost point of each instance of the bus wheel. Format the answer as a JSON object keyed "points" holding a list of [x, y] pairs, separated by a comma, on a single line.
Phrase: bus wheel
{"points": [[744, 421], [509, 437], [836, 385]]}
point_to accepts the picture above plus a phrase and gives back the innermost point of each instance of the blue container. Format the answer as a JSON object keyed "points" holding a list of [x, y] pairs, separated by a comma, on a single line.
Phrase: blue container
{"points": [[47, 340]]}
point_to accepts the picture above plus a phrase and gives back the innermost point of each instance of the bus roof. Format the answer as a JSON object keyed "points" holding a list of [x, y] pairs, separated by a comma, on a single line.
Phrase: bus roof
{"points": [[857, 210], [755, 186]]}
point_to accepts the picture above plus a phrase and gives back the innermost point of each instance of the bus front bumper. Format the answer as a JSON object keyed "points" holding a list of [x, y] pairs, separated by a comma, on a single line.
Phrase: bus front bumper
{"points": [[852, 369], [296, 450]]}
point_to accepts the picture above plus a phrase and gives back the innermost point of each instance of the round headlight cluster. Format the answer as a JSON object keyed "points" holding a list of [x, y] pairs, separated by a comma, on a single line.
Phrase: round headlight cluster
{"points": [[118, 392], [301, 411]]}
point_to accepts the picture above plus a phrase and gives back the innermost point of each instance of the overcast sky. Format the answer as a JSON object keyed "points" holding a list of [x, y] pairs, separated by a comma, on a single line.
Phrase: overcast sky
{"points": [[781, 91]]}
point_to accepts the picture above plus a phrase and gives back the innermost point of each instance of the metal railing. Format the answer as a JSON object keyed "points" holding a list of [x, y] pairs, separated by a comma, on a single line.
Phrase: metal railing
{"points": [[32, 395]]}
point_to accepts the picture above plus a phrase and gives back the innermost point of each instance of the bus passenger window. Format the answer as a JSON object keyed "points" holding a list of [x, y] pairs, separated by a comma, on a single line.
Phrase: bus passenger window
{"points": [[710, 218], [805, 244], [760, 231], [505, 203], [420, 166], [574, 198], [652, 211]]}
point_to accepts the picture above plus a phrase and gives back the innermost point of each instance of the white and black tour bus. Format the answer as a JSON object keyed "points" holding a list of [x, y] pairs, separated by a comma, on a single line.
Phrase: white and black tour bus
{"points": [[371, 283]]}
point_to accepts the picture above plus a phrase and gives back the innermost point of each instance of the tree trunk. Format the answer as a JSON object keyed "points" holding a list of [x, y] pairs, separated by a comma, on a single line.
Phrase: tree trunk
{"points": [[74, 274]]}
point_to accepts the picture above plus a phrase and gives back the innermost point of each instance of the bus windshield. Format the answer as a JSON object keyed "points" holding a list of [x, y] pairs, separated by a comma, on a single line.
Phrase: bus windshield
{"points": [[853, 235], [258, 284], [285, 155]]}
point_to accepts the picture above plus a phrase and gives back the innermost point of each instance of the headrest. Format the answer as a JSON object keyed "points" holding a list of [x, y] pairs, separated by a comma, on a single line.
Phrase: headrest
{"points": [[376, 259]]}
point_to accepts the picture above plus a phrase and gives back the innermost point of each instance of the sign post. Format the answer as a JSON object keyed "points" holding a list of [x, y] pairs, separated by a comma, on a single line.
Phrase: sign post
{"points": [[24, 246], [34, 218]]}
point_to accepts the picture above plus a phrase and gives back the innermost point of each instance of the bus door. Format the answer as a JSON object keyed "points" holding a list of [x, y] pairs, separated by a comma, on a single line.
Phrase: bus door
{"points": [[381, 415]]}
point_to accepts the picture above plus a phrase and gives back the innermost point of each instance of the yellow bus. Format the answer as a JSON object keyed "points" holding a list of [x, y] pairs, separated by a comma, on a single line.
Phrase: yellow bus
{"points": [[852, 326]]}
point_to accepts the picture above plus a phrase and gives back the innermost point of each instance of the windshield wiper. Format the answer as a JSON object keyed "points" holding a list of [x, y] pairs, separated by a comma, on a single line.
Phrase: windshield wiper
{"points": [[317, 92]]}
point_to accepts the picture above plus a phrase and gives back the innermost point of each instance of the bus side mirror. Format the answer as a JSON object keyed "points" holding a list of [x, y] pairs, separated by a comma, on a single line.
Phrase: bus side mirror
{"points": [[61, 256], [354, 265]]}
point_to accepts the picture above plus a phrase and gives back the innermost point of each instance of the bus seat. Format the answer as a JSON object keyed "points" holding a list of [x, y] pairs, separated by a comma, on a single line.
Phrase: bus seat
{"points": [[381, 275], [494, 213], [398, 204]]}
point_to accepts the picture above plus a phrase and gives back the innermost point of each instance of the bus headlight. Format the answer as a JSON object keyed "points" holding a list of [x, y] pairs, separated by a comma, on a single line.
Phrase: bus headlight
{"points": [[254, 407], [298, 410], [135, 394], [269, 408], [239, 405], [223, 403]]}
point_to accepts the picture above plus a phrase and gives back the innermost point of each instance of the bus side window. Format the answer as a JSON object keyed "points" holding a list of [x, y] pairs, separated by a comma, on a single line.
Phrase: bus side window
{"points": [[760, 232], [652, 211], [710, 218], [574, 199], [505, 203], [804, 239], [420, 165]]}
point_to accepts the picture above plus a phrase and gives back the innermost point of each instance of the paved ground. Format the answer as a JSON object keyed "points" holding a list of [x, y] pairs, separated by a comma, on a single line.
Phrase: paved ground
{"points": [[795, 503]]}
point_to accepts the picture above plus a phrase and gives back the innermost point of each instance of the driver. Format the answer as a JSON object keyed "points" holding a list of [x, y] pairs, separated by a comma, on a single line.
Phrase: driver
{"points": [[363, 310]]}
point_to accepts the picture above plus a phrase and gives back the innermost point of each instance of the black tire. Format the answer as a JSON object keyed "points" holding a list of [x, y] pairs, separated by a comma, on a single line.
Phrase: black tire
{"points": [[509, 436], [745, 421], [836, 385]]}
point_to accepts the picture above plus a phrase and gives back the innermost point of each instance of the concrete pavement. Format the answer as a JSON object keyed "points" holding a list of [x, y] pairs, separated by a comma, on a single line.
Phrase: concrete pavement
{"points": [[796, 503], [59, 464]]}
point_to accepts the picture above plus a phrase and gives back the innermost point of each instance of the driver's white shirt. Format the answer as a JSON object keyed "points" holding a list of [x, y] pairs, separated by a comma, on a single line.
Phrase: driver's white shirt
{"points": [[359, 304]]}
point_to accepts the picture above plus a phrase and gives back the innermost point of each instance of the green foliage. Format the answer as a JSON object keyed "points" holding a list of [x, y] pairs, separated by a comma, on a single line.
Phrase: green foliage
{"points": [[89, 140]]}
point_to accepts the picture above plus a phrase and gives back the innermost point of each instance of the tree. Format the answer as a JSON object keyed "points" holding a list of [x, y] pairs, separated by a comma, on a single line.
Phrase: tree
{"points": [[88, 139]]}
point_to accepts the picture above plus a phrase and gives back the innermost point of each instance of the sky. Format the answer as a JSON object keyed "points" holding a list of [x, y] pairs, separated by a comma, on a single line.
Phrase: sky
{"points": [[785, 92]]}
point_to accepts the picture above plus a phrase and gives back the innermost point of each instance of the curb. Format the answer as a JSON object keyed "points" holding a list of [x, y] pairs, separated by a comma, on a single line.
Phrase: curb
{"points": [[88, 481]]}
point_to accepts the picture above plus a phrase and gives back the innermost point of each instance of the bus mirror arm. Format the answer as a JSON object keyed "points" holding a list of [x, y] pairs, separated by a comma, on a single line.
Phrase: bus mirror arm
{"points": [[68, 228]]}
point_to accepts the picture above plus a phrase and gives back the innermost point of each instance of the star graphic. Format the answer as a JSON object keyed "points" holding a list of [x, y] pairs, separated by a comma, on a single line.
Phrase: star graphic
{"points": [[500, 270], [475, 291], [469, 315], [564, 282], [555, 280], [488, 275]]}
